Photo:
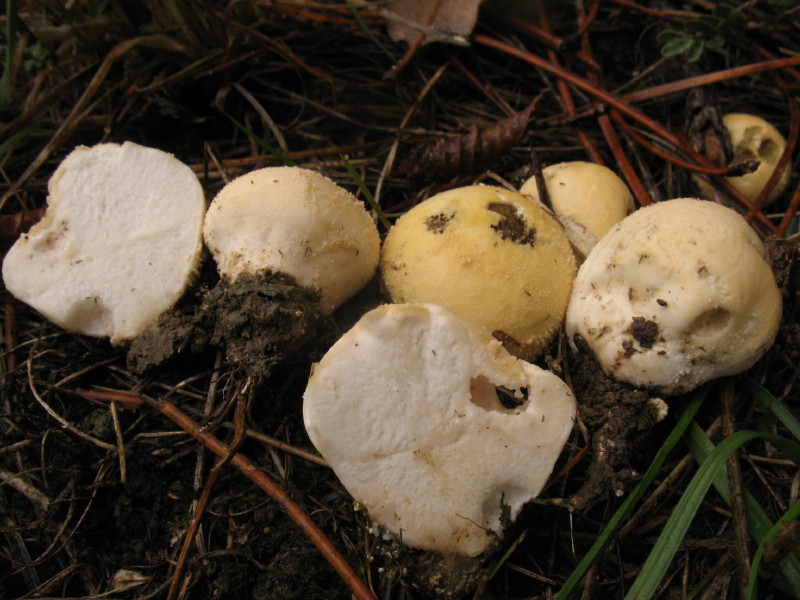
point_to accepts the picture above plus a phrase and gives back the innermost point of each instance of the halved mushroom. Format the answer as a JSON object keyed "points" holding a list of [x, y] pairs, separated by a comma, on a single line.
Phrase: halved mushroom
{"points": [[118, 245], [433, 427]]}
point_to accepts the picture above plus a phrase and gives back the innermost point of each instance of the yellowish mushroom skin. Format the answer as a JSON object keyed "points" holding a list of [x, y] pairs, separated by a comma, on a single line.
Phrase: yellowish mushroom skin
{"points": [[588, 199], [492, 256], [752, 138]]}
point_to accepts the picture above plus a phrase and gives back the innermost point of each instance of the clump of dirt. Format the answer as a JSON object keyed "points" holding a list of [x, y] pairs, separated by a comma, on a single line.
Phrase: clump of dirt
{"points": [[512, 226], [619, 419], [440, 576], [260, 320]]}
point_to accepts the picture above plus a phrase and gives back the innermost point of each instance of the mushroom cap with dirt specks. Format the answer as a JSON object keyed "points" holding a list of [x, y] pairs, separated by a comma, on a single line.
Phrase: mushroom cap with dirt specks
{"points": [[588, 199], [752, 138], [405, 408], [488, 254], [295, 221], [118, 245], [676, 294]]}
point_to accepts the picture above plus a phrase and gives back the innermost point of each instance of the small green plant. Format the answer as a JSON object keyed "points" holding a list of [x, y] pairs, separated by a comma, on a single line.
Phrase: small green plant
{"points": [[704, 31]]}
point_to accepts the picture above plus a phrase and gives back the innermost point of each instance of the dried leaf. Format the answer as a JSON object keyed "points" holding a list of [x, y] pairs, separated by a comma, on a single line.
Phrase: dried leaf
{"points": [[456, 17], [125, 579], [473, 150]]}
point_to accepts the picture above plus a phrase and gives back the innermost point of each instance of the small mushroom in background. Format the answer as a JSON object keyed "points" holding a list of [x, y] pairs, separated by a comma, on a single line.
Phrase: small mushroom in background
{"points": [[433, 427], [298, 222], [676, 294], [753, 139], [492, 256], [588, 199], [118, 245]]}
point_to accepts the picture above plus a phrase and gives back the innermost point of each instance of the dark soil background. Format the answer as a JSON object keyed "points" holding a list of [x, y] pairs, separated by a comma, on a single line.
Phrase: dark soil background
{"points": [[97, 498]]}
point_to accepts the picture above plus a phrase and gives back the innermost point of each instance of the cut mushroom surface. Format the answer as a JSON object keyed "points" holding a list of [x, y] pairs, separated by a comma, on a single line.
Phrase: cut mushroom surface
{"points": [[488, 254], [298, 222], [675, 295], [433, 427], [119, 243]]}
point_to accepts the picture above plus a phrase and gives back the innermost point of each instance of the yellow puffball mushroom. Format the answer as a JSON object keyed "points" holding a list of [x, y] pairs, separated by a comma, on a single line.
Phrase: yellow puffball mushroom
{"points": [[752, 138], [492, 256], [588, 199]]}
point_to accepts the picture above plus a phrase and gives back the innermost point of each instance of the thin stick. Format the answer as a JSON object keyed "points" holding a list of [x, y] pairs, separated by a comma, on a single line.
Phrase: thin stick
{"points": [[736, 489], [261, 479]]}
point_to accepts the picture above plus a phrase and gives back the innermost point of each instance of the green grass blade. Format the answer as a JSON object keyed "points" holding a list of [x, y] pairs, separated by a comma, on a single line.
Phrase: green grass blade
{"points": [[790, 515], [8, 144], [660, 558], [636, 494], [759, 524], [368, 32], [264, 145], [365, 190], [777, 407], [11, 38]]}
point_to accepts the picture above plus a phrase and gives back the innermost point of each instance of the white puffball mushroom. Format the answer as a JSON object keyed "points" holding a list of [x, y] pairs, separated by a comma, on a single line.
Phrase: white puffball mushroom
{"points": [[118, 245], [405, 408], [588, 199], [752, 138], [295, 221], [490, 255], [676, 294]]}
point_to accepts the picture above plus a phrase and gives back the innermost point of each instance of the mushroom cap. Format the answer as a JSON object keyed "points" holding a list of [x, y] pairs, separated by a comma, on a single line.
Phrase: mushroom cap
{"points": [[676, 294], [490, 255], [405, 409], [295, 221], [588, 199], [752, 138], [118, 245]]}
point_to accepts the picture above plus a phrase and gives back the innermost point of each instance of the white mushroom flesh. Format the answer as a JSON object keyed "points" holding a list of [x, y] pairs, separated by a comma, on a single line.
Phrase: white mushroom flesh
{"points": [[119, 243], [405, 408]]}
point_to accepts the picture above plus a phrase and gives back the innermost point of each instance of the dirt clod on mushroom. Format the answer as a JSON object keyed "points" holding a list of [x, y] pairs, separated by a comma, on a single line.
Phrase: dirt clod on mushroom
{"points": [[619, 419], [644, 331], [259, 319], [512, 226]]}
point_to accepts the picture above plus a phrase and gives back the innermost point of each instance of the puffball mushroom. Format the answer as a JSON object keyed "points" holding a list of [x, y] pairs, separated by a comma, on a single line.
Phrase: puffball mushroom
{"points": [[295, 221], [588, 199], [676, 294], [405, 407], [752, 138], [490, 255], [118, 244]]}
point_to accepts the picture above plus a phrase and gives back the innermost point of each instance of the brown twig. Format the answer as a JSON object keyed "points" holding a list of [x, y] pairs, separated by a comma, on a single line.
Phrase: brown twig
{"points": [[708, 78], [249, 470], [736, 489], [626, 109], [239, 436]]}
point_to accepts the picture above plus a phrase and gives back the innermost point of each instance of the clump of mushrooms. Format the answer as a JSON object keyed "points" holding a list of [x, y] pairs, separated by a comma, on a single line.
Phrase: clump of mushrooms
{"points": [[753, 139], [298, 222], [118, 245], [434, 427], [587, 199], [488, 254], [675, 295]]}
